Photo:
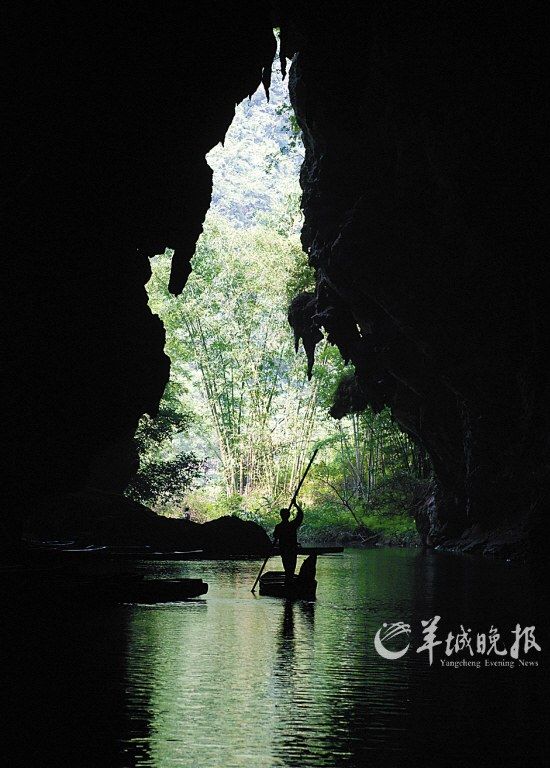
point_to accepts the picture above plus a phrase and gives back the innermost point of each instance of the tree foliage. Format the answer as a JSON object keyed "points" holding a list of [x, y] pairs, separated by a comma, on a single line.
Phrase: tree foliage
{"points": [[165, 474], [239, 408], [229, 333]]}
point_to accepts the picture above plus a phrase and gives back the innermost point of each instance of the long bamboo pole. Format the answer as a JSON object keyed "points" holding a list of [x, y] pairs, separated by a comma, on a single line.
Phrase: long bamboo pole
{"points": [[295, 496]]}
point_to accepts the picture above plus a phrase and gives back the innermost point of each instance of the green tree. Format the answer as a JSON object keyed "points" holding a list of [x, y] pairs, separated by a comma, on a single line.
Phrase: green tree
{"points": [[256, 417], [229, 332], [165, 474]]}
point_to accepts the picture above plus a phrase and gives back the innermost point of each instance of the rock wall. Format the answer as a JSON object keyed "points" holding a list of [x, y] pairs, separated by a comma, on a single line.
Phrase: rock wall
{"points": [[422, 192], [423, 207], [108, 114]]}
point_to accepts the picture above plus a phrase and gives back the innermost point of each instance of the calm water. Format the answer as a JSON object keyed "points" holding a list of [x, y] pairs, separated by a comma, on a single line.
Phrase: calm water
{"points": [[237, 680]]}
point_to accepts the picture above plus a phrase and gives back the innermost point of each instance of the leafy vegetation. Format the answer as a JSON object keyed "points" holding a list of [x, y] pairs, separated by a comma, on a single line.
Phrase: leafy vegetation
{"points": [[229, 334], [240, 419], [165, 475]]}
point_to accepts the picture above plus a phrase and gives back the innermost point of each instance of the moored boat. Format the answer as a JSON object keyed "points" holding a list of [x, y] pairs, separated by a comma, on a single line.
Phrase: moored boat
{"points": [[53, 587], [162, 590]]}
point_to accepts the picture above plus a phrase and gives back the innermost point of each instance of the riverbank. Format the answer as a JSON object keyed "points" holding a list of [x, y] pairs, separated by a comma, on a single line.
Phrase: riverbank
{"points": [[359, 538], [96, 517], [107, 519], [506, 542]]}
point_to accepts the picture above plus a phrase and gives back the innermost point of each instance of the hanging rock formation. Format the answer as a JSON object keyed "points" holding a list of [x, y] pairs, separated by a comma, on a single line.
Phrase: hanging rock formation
{"points": [[423, 204], [108, 114], [422, 193]]}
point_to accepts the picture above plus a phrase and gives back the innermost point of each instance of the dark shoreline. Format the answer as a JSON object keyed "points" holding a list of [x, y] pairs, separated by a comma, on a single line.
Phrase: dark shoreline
{"points": [[94, 517]]}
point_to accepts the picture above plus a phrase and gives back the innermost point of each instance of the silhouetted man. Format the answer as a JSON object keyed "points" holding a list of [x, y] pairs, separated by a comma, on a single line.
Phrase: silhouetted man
{"points": [[286, 534]]}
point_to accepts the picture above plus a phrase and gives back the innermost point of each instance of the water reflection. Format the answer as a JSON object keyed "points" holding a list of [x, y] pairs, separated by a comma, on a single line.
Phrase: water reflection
{"points": [[64, 684], [234, 680]]}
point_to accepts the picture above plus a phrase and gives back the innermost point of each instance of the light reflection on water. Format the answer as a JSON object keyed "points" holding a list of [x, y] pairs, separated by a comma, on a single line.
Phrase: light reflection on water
{"points": [[238, 680]]}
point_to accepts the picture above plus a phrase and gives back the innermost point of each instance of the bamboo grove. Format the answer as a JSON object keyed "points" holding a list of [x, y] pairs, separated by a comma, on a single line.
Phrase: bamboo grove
{"points": [[242, 418]]}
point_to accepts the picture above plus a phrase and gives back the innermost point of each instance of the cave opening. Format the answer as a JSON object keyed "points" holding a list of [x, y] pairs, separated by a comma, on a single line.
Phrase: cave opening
{"points": [[243, 412], [424, 218]]}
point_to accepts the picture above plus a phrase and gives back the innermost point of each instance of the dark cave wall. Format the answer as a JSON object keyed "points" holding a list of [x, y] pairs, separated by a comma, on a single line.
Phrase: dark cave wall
{"points": [[422, 193], [423, 210], [108, 115]]}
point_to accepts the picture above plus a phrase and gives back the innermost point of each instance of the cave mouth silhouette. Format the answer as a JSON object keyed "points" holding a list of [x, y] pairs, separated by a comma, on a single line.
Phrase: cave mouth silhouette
{"points": [[228, 331], [422, 201], [423, 217], [230, 321]]}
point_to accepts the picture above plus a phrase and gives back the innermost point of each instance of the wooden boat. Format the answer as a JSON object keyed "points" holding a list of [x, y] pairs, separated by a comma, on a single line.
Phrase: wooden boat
{"points": [[68, 554], [161, 590], [273, 584], [149, 554], [64, 547], [303, 585], [53, 587]]}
